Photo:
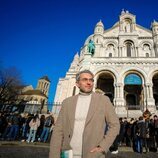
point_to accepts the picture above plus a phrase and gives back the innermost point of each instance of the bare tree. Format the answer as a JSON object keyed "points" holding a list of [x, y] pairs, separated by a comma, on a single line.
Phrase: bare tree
{"points": [[10, 86]]}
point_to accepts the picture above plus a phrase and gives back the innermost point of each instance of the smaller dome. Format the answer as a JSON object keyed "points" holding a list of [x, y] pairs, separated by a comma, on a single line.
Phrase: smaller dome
{"points": [[155, 23], [100, 24], [46, 78]]}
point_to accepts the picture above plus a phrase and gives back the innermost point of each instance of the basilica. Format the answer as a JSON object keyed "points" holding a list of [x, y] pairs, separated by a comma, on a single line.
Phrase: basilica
{"points": [[124, 60]]}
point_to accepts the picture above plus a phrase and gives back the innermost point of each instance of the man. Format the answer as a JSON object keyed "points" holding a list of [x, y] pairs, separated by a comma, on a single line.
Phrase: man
{"points": [[141, 132], [46, 130], [82, 122]]}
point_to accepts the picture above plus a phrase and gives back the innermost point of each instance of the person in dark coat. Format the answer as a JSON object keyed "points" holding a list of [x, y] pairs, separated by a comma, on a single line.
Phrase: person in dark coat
{"points": [[141, 133]]}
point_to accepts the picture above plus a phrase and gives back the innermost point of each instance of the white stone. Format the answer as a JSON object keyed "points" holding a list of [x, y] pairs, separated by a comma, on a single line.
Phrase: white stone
{"points": [[112, 58]]}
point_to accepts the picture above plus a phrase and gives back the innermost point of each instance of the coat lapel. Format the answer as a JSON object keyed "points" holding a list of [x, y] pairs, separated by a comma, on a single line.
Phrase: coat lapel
{"points": [[92, 108], [71, 110]]}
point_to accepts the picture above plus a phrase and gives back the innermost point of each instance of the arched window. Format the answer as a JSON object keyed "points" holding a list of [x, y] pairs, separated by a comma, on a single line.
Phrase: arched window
{"points": [[133, 79], [110, 55], [110, 49], [147, 55], [147, 50], [128, 49]]}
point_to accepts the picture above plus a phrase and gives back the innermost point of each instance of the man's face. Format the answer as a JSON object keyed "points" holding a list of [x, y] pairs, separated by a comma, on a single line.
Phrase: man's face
{"points": [[85, 83]]}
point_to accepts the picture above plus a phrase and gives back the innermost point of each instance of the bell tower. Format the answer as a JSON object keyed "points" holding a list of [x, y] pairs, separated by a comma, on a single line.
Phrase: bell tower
{"points": [[43, 85]]}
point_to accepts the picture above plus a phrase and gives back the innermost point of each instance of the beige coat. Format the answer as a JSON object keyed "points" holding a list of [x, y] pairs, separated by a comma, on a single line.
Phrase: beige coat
{"points": [[101, 112]]}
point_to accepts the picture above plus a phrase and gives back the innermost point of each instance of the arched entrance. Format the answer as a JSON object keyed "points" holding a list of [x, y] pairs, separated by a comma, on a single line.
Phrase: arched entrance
{"points": [[155, 89], [133, 92], [105, 83]]}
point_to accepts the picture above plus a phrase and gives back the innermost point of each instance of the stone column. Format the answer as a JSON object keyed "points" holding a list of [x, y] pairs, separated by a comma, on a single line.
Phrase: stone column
{"points": [[120, 51], [119, 100], [132, 52], [147, 91], [119, 92], [121, 86], [144, 93], [115, 94], [150, 103], [151, 90], [152, 53], [136, 51], [115, 91]]}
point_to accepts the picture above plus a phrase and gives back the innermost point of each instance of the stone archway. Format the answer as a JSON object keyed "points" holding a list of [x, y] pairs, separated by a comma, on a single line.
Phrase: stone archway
{"points": [[155, 89], [133, 91], [105, 83]]}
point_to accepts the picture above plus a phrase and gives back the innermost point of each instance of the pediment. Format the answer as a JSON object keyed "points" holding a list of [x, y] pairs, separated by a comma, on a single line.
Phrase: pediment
{"points": [[142, 31]]}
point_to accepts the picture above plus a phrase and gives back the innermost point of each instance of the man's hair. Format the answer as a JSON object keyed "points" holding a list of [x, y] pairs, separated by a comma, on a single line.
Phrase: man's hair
{"points": [[81, 72]]}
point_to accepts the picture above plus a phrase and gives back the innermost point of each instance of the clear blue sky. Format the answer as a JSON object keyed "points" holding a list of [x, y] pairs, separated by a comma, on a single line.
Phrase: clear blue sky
{"points": [[41, 37]]}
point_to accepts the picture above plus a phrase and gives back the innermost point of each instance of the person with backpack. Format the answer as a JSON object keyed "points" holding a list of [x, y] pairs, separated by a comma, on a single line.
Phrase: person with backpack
{"points": [[49, 121]]}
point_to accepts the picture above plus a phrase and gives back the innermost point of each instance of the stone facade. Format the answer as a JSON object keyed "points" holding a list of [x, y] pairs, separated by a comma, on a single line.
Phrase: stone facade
{"points": [[125, 65]]}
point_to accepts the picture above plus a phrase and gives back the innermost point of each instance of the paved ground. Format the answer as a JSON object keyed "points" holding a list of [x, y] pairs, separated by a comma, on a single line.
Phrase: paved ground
{"points": [[41, 150]]}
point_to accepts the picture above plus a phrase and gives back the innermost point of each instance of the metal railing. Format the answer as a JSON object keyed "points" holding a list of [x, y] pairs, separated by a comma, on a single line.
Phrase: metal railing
{"points": [[27, 108], [135, 107]]}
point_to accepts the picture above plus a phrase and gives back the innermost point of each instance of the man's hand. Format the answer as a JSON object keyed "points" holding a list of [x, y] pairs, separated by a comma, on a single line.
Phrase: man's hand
{"points": [[97, 149]]}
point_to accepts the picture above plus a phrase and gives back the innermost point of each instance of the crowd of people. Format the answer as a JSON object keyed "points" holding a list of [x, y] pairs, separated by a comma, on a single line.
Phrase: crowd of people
{"points": [[141, 134], [26, 127]]}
